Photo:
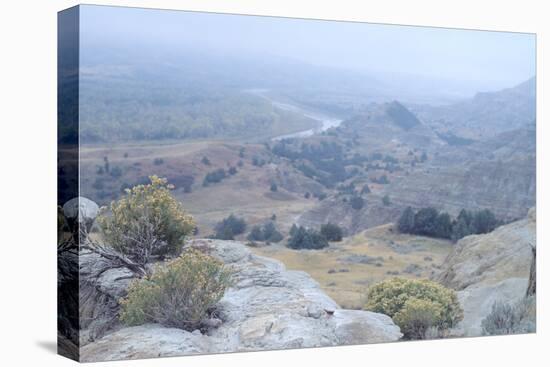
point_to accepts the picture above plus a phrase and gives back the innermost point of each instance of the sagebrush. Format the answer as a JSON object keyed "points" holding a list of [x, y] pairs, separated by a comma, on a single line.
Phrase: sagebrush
{"points": [[178, 294], [506, 318], [415, 305], [147, 221]]}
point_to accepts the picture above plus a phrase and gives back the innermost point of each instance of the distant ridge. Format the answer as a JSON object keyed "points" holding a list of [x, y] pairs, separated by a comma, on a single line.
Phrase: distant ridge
{"points": [[485, 115]]}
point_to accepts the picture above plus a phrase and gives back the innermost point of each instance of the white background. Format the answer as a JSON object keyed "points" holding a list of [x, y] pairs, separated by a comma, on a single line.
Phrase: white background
{"points": [[28, 182]]}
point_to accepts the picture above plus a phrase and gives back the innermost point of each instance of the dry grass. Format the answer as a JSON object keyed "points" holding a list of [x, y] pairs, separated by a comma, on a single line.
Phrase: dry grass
{"points": [[349, 287], [245, 194]]}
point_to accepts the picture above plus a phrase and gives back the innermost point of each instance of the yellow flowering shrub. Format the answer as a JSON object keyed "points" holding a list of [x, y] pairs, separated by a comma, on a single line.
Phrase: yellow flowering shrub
{"points": [[147, 221], [415, 305], [177, 294]]}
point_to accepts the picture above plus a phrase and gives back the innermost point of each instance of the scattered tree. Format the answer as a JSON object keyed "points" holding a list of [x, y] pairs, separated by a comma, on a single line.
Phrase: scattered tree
{"points": [[332, 232], [406, 221], [383, 180], [302, 238], [116, 172], [229, 227], [268, 232], [255, 234], [320, 196], [484, 221], [256, 161], [106, 164], [443, 226], [462, 225], [357, 202], [214, 177], [293, 229]]}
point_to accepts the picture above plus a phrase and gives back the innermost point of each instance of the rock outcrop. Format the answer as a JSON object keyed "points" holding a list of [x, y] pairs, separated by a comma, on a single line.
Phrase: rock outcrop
{"points": [[268, 307], [74, 219], [81, 210], [101, 287], [490, 267]]}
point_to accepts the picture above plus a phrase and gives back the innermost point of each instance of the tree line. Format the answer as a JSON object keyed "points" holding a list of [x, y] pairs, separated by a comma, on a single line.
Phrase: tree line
{"points": [[433, 223]]}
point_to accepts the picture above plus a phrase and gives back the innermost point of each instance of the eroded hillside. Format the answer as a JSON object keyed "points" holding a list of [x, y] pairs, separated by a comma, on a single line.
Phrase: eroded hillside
{"points": [[489, 268], [424, 168]]}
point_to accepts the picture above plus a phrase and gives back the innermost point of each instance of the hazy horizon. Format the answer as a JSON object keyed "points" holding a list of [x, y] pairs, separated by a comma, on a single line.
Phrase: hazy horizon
{"points": [[477, 60]]}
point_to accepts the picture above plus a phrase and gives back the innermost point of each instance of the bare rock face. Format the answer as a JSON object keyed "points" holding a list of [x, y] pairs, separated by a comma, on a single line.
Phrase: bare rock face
{"points": [[146, 341], [268, 307], [101, 287], [490, 267], [477, 302]]}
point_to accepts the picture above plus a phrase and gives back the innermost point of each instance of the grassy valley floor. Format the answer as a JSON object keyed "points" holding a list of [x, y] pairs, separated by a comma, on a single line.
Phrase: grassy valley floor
{"points": [[346, 269]]}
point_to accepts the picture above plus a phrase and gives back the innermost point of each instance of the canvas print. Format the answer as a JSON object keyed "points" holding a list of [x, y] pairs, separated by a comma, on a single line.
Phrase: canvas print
{"points": [[232, 183]]}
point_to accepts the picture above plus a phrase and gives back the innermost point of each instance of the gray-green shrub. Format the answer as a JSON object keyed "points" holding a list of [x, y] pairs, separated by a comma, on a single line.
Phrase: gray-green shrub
{"points": [[178, 294], [510, 319]]}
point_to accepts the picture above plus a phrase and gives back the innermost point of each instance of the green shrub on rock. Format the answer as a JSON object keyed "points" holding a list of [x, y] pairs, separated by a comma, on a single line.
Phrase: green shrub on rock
{"points": [[417, 316], [178, 294], [147, 221], [415, 305]]}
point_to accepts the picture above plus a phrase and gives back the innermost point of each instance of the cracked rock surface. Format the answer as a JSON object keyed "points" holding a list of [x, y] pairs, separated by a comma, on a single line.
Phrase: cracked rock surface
{"points": [[268, 307]]}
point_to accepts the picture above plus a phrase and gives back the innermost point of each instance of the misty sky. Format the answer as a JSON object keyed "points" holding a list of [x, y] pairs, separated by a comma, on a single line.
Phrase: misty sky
{"points": [[489, 60]]}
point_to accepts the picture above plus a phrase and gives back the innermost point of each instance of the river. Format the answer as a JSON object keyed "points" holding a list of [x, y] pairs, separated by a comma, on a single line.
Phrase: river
{"points": [[325, 121]]}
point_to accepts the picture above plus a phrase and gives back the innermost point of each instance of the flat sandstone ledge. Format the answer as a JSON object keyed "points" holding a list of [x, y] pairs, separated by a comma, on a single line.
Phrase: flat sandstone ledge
{"points": [[268, 307]]}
